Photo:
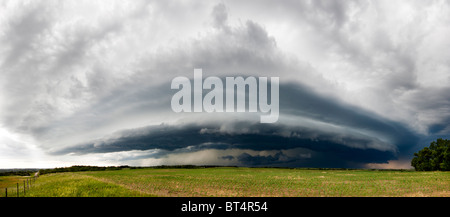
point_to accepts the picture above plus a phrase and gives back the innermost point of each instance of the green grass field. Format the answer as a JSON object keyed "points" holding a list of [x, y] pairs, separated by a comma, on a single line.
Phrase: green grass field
{"points": [[245, 182]]}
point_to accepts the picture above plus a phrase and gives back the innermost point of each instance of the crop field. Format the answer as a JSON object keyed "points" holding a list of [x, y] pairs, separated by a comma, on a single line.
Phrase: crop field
{"points": [[240, 182]]}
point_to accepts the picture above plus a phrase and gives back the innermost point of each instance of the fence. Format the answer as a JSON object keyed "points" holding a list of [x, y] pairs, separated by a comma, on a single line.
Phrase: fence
{"points": [[20, 190]]}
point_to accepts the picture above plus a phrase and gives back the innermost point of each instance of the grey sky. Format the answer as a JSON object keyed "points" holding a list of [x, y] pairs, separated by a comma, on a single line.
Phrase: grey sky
{"points": [[367, 81]]}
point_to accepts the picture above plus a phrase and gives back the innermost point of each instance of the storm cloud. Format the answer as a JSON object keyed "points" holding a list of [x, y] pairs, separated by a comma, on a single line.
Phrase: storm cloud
{"points": [[347, 133], [362, 83]]}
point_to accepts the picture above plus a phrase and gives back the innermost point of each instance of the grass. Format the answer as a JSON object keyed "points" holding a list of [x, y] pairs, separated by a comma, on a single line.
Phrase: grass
{"points": [[245, 182], [10, 182]]}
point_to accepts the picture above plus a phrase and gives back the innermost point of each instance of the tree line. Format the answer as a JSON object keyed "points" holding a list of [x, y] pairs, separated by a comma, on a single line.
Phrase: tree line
{"points": [[17, 172], [434, 157], [78, 168]]}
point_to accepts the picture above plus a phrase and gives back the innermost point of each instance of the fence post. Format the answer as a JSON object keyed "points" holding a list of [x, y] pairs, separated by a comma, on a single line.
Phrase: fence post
{"points": [[17, 189], [6, 192], [24, 188]]}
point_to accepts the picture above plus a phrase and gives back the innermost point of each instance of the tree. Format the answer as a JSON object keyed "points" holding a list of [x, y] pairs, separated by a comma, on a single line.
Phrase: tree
{"points": [[434, 157]]}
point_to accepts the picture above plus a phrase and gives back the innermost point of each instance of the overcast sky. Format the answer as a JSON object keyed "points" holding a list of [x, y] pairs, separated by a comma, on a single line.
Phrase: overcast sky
{"points": [[363, 84]]}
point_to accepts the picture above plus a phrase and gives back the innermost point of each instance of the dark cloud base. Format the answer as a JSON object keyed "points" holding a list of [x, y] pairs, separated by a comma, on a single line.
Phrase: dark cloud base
{"points": [[328, 149], [298, 100], [191, 138]]}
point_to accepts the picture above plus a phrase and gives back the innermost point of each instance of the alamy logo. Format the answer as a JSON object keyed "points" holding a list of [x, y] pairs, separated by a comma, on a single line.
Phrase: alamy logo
{"points": [[213, 101]]}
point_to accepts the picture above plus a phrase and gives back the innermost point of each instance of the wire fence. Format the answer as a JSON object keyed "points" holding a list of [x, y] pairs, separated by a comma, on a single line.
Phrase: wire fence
{"points": [[20, 189]]}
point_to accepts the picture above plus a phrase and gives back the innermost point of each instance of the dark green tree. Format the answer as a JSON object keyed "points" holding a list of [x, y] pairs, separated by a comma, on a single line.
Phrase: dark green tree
{"points": [[434, 157]]}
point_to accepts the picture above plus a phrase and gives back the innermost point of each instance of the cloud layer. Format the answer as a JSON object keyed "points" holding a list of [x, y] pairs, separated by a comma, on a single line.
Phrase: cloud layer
{"points": [[361, 82]]}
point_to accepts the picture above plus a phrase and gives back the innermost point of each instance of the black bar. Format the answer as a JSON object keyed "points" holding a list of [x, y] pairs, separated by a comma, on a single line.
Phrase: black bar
{"points": [[284, 206]]}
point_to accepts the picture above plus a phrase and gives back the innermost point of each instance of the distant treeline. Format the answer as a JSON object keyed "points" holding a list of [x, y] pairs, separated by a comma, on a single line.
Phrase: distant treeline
{"points": [[80, 169], [99, 168], [184, 166], [17, 172]]}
